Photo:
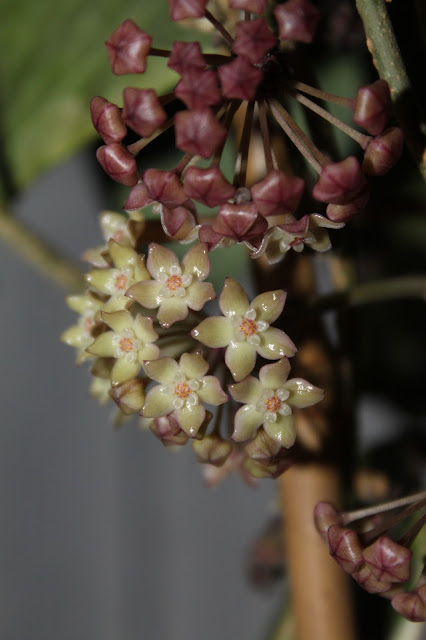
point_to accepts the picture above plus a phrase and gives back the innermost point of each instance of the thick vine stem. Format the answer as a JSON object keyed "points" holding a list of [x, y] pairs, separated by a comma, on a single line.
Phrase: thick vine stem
{"points": [[39, 254], [388, 61]]}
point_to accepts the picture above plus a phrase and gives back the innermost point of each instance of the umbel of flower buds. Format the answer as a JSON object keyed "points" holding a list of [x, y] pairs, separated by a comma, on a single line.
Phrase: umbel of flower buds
{"points": [[255, 77]]}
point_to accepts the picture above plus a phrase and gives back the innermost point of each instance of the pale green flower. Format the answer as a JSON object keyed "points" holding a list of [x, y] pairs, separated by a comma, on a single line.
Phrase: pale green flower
{"points": [[128, 268], [175, 287], [80, 335], [183, 389], [245, 329], [124, 229], [268, 401], [130, 343]]}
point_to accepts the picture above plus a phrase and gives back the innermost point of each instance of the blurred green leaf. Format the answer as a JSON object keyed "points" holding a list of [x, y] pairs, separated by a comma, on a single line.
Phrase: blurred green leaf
{"points": [[54, 61]]}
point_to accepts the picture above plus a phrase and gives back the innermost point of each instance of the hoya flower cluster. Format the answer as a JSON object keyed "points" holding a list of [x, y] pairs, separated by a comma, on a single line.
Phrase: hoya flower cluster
{"points": [[155, 352], [251, 78]]}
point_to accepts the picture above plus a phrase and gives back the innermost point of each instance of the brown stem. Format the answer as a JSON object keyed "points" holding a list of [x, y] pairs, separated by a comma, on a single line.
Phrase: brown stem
{"points": [[266, 138], [219, 26], [324, 95], [241, 175], [352, 516]]}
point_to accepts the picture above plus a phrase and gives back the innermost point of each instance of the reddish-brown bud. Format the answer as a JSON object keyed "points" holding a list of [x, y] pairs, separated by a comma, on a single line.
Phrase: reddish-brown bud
{"points": [[207, 186], [389, 561], [255, 6], [142, 111], [185, 56], [198, 132], [342, 212], [165, 187], [179, 220], [180, 9], [253, 39], [127, 48], [167, 429], [367, 580], [345, 547], [240, 79], [297, 20], [107, 120], [117, 162], [198, 89], [340, 182], [411, 605], [239, 222], [373, 107], [325, 515], [383, 152], [277, 193]]}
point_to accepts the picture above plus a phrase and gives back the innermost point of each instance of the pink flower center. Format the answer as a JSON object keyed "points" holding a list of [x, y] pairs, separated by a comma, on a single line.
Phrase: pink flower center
{"points": [[273, 403], [121, 282], [118, 235], [126, 345], [182, 390], [174, 282], [248, 327], [88, 324], [295, 241]]}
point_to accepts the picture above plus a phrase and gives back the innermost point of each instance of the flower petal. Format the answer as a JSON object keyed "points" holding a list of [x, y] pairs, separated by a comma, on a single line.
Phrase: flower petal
{"points": [[303, 393], [269, 305], [191, 418], [248, 390], [275, 344], [211, 391], [214, 332], [273, 376], [103, 345], [118, 321], [146, 293], [172, 310], [193, 365], [240, 358], [198, 293], [122, 256], [148, 352], [196, 262], [123, 370], [160, 260], [282, 430], [247, 421], [157, 403], [233, 299], [143, 327], [163, 370]]}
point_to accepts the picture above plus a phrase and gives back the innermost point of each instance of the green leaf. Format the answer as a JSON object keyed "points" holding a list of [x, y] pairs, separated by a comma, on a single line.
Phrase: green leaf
{"points": [[54, 61]]}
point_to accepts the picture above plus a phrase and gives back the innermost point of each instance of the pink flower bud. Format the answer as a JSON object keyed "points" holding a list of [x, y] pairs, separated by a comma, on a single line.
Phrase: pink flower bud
{"points": [[340, 182], [164, 187], [373, 107], [176, 220], [212, 449], [240, 222], [240, 79], [411, 605], [185, 56], [277, 193], [383, 152], [297, 20], [117, 162], [255, 6], [198, 132], [142, 111], [207, 186], [253, 39], [127, 48], [345, 547], [389, 561], [367, 580], [167, 429], [180, 9], [198, 89], [107, 120], [325, 515], [341, 212], [129, 396]]}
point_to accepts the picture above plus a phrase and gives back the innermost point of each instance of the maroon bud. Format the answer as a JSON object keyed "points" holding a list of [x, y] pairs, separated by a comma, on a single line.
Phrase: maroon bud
{"points": [[341, 212], [185, 56], [277, 193], [255, 6], [325, 515], [164, 187], [297, 20], [373, 107], [180, 9], [198, 132], [240, 222], [106, 118], [207, 186], [138, 198], [209, 237], [198, 89], [117, 162], [253, 39], [383, 152], [127, 48], [176, 220], [366, 579], [411, 605], [167, 429], [345, 547], [129, 396], [389, 561], [240, 79], [340, 182], [142, 111]]}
